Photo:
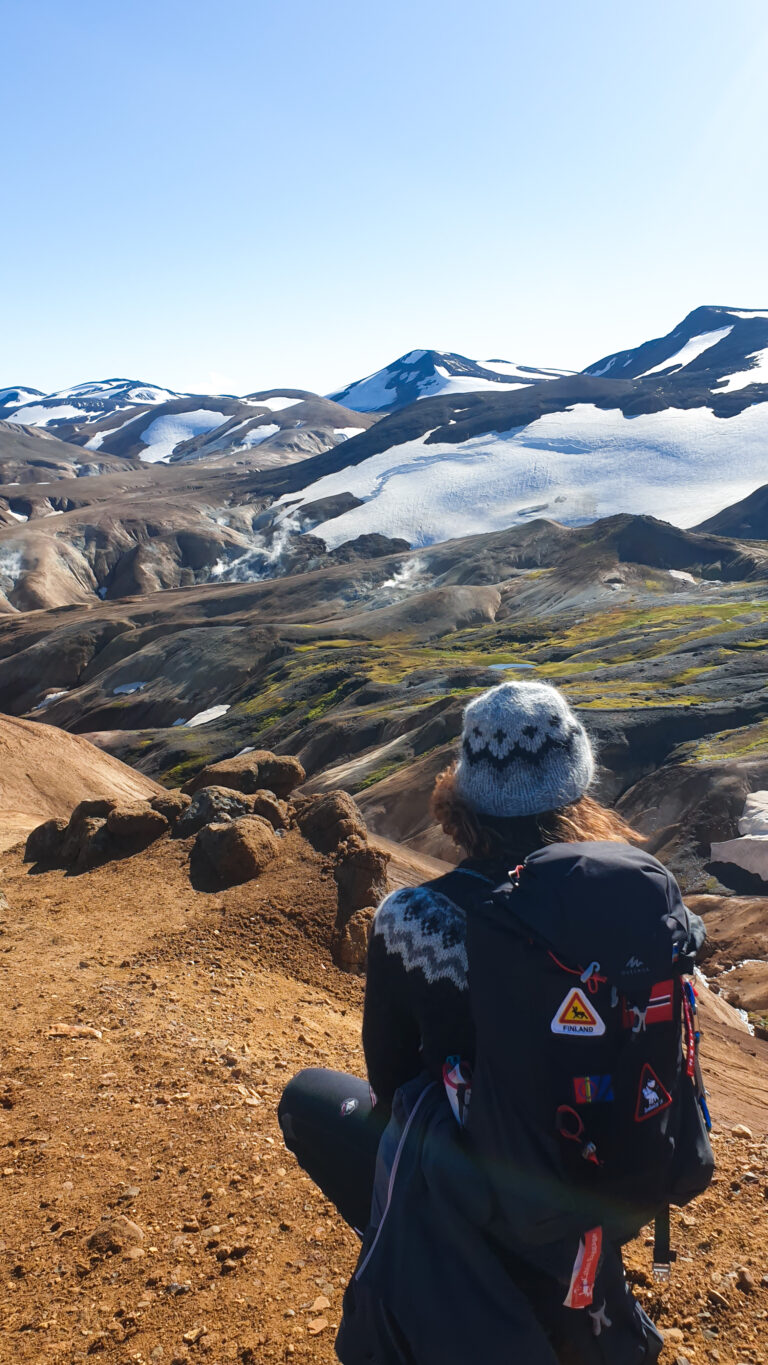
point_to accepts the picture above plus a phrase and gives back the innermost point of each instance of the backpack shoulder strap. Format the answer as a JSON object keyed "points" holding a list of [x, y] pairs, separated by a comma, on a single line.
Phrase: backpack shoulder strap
{"points": [[465, 886]]}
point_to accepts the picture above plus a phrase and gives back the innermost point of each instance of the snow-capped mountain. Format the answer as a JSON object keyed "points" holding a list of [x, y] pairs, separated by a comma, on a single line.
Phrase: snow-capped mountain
{"points": [[138, 421], [14, 397], [724, 348], [676, 428], [423, 374]]}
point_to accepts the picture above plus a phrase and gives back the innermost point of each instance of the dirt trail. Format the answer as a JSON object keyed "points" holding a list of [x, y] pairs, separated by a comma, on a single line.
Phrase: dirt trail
{"points": [[206, 1004]]}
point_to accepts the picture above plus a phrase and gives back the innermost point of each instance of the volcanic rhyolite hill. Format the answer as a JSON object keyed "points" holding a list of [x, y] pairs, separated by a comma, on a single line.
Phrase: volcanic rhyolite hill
{"points": [[151, 1211], [363, 666]]}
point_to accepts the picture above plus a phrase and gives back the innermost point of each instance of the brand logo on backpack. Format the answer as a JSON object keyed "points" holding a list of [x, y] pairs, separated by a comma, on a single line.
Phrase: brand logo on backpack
{"points": [[652, 1097], [578, 1017], [348, 1107], [632, 965]]}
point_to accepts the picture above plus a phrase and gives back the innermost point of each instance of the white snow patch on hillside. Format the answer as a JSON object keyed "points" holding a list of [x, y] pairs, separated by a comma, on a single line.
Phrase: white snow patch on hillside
{"points": [[204, 717], [151, 395], [35, 415], [757, 375], [18, 396], [680, 465], [274, 404], [51, 697], [256, 435], [682, 575], [97, 441], [371, 393], [346, 432], [443, 382], [163, 435], [126, 689], [693, 348], [17, 516], [747, 312]]}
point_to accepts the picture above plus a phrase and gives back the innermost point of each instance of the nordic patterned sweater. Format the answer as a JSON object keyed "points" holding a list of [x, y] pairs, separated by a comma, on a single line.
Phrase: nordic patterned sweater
{"points": [[416, 998]]}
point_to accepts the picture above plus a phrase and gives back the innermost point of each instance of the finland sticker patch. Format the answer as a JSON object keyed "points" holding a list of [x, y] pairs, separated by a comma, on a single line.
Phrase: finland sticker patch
{"points": [[577, 1017]]}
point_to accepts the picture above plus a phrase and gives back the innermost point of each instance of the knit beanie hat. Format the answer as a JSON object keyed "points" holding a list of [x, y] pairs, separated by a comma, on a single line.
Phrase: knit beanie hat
{"points": [[523, 751]]}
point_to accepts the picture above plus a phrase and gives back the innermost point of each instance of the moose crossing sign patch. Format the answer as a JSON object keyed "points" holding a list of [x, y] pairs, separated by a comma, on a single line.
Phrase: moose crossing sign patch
{"points": [[577, 1017]]}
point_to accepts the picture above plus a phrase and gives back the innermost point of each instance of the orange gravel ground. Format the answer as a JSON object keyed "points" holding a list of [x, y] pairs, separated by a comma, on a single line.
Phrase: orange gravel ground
{"points": [[207, 1003]]}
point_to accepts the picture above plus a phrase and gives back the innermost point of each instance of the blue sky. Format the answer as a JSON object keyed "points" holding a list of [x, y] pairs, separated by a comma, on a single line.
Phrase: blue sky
{"points": [[237, 195]]}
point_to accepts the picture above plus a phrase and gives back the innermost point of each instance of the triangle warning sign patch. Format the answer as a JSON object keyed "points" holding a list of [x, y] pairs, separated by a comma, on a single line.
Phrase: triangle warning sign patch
{"points": [[578, 1017], [652, 1096]]}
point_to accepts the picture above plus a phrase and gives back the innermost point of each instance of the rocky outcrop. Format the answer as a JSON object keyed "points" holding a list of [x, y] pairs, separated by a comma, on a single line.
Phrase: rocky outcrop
{"points": [[350, 943], [136, 824], [44, 844], [96, 831], [171, 804], [239, 849], [211, 805], [257, 771], [271, 808], [329, 820], [361, 877], [80, 847]]}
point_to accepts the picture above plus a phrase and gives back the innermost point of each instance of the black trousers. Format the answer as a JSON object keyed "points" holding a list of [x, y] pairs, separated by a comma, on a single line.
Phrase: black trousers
{"points": [[333, 1130]]}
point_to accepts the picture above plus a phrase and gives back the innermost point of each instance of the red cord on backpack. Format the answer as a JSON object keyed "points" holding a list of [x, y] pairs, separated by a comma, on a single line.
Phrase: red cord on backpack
{"points": [[592, 982]]}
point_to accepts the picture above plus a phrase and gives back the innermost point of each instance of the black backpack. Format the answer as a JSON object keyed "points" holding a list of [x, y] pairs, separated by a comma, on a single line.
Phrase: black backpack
{"points": [[587, 1107]]}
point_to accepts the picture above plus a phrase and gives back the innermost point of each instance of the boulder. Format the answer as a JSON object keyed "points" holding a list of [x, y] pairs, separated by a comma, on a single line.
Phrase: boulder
{"points": [[361, 877], [87, 845], [269, 807], [251, 773], [171, 804], [78, 850], [114, 1235], [327, 821], [350, 944], [240, 849], [211, 805], [45, 842], [98, 808], [134, 824]]}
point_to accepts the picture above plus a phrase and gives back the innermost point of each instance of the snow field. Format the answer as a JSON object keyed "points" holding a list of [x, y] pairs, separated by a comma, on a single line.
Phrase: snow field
{"points": [[35, 415], [681, 466], [163, 435]]}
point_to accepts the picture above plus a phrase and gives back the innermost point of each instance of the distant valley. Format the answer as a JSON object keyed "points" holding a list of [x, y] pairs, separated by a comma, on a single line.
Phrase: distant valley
{"points": [[186, 576]]}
